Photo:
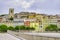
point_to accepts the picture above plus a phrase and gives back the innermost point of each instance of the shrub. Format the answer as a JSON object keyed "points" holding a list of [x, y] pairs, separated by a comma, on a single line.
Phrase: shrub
{"points": [[3, 28], [32, 28], [58, 29], [28, 28], [17, 27], [51, 28], [11, 28], [22, 27]]}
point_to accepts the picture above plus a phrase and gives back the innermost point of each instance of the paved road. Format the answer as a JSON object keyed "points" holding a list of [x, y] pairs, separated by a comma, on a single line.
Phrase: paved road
{"points": [[5, 36]]}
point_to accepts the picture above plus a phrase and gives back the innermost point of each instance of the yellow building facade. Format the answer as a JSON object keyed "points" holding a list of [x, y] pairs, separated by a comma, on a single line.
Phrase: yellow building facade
{"points": [[45, 22], [35, 25]]}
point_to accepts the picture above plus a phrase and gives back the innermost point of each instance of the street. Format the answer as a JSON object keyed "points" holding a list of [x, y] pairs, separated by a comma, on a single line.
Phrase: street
{"points": [[5, 36]]}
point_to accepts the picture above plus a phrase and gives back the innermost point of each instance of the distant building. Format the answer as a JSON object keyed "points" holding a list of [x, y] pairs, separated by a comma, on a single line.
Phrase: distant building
{"points": [[11, 12], [35, 25], [1, 19], [27, 21], [25, 15], [58, 20], [32, 23], [30, 19], [18, 22]]}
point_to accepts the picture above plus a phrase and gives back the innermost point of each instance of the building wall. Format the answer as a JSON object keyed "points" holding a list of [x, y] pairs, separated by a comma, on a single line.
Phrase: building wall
{"points": [[45, 22], [58, 23], [35, 25], [18, 21], [31, 16], [27, 23]]}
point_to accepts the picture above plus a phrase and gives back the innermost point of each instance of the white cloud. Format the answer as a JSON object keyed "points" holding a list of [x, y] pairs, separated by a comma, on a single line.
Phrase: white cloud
{"points": [[30, 5], [20, 3], [23, 3], [26, 5]]}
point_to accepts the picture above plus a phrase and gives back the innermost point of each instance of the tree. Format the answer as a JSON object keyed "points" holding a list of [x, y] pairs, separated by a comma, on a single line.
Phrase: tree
{"points": [[22, 27], [17, 27], [58, 29], [11, 18], [2, 15], [51, 27], [32, 28], [28, 28], [11, 28], [3, 28]]}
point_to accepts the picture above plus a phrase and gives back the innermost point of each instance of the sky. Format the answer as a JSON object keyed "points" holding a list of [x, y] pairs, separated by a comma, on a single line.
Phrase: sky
{"points": [[38, 6]]}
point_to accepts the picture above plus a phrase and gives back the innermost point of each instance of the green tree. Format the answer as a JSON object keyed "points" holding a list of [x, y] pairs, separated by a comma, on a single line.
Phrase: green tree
{"points": [[58, 29], [17, 27], [11, 28], [30, 28], [27, 28], [22, 27], [3, 28], [51, 27]]}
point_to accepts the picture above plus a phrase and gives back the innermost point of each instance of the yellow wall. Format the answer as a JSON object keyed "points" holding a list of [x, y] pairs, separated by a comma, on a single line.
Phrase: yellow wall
{"points": [[45, 22], [35, 25], [31, 16]]}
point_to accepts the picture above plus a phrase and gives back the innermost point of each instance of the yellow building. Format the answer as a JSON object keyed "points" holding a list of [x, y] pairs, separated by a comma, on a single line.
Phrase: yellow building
{"points": [[45, 22], [35, 25], [31, 16], [41, 22], [39, 18]]}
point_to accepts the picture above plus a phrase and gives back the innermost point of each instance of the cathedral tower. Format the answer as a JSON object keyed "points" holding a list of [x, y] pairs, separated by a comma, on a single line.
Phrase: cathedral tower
{"points": [[11, 13]]}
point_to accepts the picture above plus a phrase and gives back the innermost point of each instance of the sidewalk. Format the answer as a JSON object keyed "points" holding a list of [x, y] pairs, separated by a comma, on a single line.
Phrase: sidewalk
{"points": [[6, 36]]}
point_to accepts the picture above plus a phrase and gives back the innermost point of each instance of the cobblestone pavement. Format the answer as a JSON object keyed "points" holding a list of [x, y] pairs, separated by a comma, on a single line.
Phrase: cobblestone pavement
{"points": [[5, 36]]}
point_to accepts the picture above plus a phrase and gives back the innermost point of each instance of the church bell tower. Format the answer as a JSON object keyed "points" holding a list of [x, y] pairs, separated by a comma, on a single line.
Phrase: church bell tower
{"points": [[11, 12]]}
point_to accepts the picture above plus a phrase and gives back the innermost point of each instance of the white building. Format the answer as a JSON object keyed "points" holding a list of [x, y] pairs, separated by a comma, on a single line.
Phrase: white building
{"points": [[17, 22]]}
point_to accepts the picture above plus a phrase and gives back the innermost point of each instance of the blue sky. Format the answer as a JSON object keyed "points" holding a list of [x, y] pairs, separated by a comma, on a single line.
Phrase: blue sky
{"points": [[39, 6]]}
